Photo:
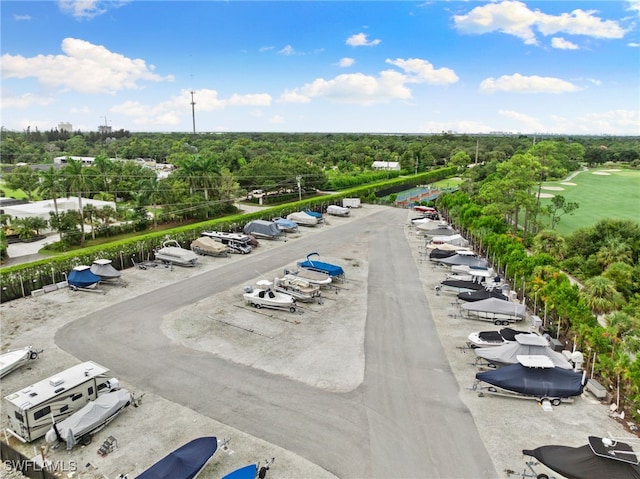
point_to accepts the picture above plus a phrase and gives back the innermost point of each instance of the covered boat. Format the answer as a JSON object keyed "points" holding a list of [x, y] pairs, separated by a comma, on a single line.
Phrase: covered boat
{"points": [[435, 229], [172, 253], [88, 420], [314, 277], [12, 360], [464, 259], [104, 269], [336, 210], [265, 296], [458, 286], [456, 240], [285, 225], [484, 339], [332, 270], [82, 277], [494, 309], [262, 229], [186, 462], [236, 242], [437, 254], [208, 247], [600, 458], [471, 296], [424, 209], [300, 288], [543, 382], [316, 214], [303, 219], [524, 344]]}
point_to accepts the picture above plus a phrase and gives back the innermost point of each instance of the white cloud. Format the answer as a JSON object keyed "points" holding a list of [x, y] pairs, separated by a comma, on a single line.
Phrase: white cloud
{"points": [[21, 18], [360, 40], [461, 126], [294, 96], [84, 109], [82, 8], [276, 119], [530, 124], [633, 44], [526, 84], [614, 122], [288, 50], [84, 67], [346, 62], [421, 71], [258, 99], [517, 19], [25, 101], [562, 44]]}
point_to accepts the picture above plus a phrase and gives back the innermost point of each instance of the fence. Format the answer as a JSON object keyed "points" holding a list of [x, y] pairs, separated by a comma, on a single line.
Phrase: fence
{"points": [[17, 461]]}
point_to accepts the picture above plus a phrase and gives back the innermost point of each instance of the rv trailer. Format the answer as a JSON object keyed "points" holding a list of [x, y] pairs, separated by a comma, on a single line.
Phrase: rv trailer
{"points": [[32, 410]]}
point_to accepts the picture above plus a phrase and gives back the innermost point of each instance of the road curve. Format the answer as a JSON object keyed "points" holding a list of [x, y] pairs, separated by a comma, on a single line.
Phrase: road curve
{"points": [[405, 420]]}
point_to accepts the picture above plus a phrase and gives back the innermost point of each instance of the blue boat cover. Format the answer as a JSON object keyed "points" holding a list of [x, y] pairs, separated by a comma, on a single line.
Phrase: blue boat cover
{"points": [[539, 382], [246, 472], [315, 214], [185, 462], [82, 278], [328, 268]]}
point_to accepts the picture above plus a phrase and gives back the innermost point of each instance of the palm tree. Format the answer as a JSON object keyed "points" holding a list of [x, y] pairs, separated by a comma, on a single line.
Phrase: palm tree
{"points": [[614, 251], [50, 185], [600, 295], [78, 182], [152, 192]]}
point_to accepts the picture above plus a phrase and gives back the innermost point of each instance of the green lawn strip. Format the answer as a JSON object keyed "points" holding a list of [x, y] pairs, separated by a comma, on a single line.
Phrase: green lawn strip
{"points": [[612, 196]]}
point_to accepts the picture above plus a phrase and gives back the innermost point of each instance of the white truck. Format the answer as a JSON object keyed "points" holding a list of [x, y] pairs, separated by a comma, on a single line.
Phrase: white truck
{"points": [[32, 410]]}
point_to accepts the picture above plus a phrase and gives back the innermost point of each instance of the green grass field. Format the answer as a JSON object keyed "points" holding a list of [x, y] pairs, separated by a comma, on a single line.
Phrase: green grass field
{"points": [[614, 195]]}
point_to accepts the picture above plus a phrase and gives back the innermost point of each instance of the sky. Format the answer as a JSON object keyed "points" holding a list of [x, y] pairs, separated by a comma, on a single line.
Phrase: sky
{"points": [[508, 66]]}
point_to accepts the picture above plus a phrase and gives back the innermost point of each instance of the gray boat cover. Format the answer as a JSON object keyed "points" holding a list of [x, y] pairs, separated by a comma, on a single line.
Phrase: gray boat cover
{"points": [[582, 463], [463, 259], [496, 306], [265, 229], [336, 210], [303, 218], [104, 269], [507, 353], [91, 416]]}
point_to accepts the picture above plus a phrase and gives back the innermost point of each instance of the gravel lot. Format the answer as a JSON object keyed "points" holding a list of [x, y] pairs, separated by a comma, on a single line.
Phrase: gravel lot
{"points": [[224, 325]]}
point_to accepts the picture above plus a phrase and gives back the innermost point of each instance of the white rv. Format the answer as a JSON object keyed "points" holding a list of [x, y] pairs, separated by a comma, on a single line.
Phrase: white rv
{"points": [[32, 410]]}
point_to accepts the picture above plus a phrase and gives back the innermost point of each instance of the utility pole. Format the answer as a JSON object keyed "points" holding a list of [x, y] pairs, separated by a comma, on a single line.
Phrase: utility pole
{"points": [[193, 112], [298, 179]]}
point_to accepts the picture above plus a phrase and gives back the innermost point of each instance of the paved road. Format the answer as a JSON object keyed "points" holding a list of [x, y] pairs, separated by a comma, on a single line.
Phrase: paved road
{"points": [[404, 421]]}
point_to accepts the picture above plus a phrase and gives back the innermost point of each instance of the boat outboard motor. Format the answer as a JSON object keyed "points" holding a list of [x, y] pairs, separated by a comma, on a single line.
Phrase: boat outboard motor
{"points": [[112, 385]]}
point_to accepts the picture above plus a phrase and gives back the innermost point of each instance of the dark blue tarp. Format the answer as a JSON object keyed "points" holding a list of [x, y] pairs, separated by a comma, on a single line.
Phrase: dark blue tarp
{"points": [[246, 472], [462, 284], [479, 295], [582, 463], [538, 382], [328, 268], [82, 278], [185, 462]]}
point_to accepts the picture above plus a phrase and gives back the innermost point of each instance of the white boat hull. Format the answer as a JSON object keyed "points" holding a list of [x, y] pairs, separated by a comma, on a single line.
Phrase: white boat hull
{"points": [[12, 360]]}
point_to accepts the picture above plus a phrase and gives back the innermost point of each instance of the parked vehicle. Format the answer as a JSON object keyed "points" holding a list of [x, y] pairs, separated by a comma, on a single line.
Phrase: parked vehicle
{"points": [[264, 296], [236, 242], [172, 253], [206, 246], [31, 409], [262, 229], [300, 288], [336, 210]]}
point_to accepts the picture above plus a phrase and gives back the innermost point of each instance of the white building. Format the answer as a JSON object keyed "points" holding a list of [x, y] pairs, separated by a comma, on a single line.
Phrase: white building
{"points": [[42, 209], [386, 165]]}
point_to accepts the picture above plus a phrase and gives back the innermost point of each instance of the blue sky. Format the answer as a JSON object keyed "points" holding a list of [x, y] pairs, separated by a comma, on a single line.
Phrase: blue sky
{"points": [[564, 67]]}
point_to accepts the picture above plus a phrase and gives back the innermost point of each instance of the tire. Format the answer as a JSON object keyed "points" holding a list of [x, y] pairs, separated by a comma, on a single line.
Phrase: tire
{"points": [[497, 322], [555, 402], [258, 306], [292, 309], [542, 476], [85, 440], [33, 355], [505, 323]]}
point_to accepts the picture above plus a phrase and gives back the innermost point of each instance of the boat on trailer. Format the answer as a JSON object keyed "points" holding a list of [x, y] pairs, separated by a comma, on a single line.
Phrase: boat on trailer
{"points": [[172, 253], [82, 278], [299, 288], [314, 277], [264, 296], [332, 270], [236, 242], [485, 339], [12, 360], [93, 417], [186, 462]]}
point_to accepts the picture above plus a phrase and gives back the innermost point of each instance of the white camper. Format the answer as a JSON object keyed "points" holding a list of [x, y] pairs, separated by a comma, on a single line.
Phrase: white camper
{"points": [[32, 410], [351, 203]]}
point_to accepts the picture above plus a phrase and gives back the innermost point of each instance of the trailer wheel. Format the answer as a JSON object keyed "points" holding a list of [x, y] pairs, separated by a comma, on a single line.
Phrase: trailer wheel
{"points": [[33, 355], [258, 306], [497, 322], [292, 309], [505, 323], [555, 402], [85, 440], [542, 476]]}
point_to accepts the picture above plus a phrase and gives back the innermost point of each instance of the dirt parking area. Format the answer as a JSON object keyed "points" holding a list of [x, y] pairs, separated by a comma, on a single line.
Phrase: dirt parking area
{"points": [[327, 354]]}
